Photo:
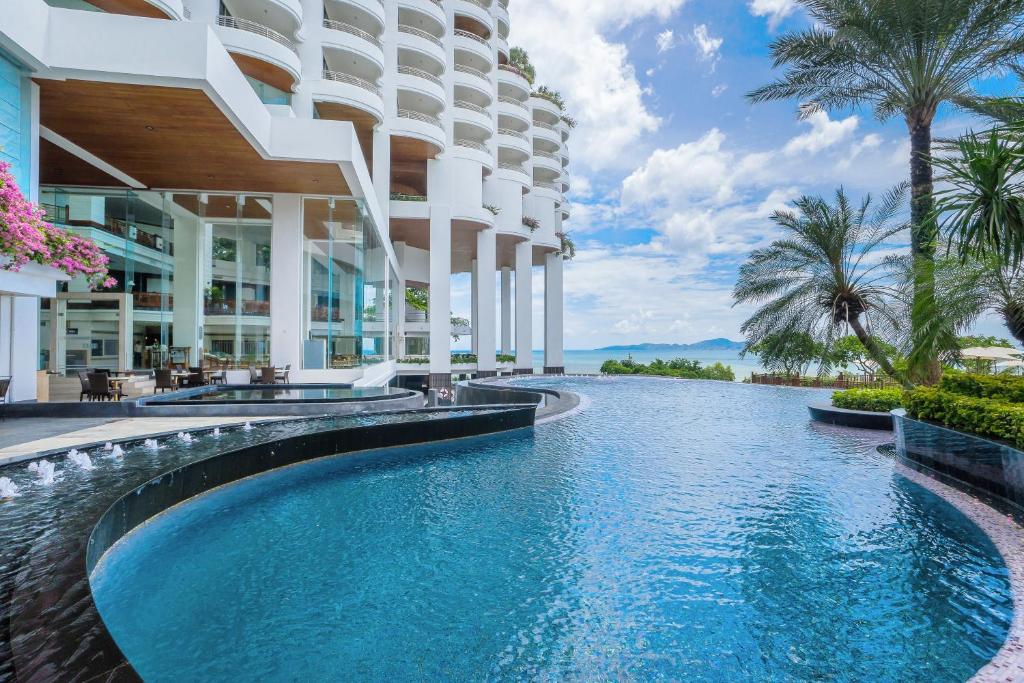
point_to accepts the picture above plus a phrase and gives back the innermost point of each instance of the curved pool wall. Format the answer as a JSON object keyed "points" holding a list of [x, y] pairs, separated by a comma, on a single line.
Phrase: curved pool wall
{"points": [[49, 625], [994, 467], [186, 403], [861, 419], [636, 556], [550, 402]]}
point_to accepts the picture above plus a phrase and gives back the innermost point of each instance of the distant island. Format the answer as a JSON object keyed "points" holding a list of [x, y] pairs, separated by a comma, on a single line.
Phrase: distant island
{"points": [[719, 344]]}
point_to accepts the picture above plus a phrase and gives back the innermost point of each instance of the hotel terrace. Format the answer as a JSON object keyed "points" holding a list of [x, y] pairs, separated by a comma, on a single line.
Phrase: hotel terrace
{"points": [[269, 177]]}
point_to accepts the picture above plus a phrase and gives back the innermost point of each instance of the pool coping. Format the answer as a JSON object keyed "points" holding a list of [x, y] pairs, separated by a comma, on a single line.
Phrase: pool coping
{"points": [[1007, 534], [845, 417]]}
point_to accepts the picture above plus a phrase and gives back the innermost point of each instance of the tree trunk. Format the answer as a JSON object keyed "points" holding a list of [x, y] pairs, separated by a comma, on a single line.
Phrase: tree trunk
{"points": [[877, 354], [924, 362], [1013, 316]]}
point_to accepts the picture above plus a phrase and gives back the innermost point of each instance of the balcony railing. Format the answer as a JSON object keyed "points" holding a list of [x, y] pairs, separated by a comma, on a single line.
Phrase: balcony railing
{"points": [[546, 155], [471, 36], [257, 28], [426, 35], [152, 301], [352, 80], [463, 104], [546, 185], [420, 116], [513, 101], [420, 73], [509, 166], [470, 70], [513, 133], [230, 307], [353, 30], [485, 4], [471, 144], [512, 69], [545, 126]]}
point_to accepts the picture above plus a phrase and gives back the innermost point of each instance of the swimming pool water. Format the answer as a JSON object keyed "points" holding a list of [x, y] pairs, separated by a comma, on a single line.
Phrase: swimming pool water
{"points": [[286, 393], [671, 530]]}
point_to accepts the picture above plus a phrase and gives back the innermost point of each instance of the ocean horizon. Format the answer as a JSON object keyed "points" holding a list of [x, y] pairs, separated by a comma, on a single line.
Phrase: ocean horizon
{"points": [[588, 361]]}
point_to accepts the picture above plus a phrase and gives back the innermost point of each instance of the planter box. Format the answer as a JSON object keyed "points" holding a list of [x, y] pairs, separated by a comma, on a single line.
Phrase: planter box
{"points": [[861, 419]]}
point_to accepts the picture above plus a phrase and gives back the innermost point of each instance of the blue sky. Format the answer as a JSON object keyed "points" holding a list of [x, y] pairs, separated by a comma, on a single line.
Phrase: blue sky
{"points": [[673, 172]]}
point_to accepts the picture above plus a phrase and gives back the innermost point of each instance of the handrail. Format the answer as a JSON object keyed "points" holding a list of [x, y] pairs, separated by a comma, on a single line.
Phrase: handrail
{"points": [[546, 155], [480, 3], [353, 80], [515, 70], [463, 104], [257, 28], [545, 126], [419, 73], [353, 30], [419, 116], [513, 133], [509, 166], [471, 36], [471, 144], [511, 100], [503, 3], [426, 35], [546, 185], [470, 70]]}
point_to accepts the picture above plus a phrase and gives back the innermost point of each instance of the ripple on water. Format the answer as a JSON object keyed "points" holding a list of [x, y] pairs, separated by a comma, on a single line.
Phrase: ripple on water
{"points": [[671, 530]]}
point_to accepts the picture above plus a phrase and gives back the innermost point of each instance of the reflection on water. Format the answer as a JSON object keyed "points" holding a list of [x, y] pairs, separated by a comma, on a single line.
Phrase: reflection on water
{"points": [[671, 530]]}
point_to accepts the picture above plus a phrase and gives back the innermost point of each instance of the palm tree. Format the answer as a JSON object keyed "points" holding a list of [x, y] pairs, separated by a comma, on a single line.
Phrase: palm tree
{"points": [[974, 286], [825, 274], [902, 57]]}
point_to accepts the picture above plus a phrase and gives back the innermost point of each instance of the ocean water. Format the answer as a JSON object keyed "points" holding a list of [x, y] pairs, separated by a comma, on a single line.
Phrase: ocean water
{"points": [[589, 362], [699, 531]]}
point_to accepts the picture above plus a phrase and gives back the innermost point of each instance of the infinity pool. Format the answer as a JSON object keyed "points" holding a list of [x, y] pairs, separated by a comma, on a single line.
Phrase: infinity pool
{"points": [[281, 392], [671, 530]]}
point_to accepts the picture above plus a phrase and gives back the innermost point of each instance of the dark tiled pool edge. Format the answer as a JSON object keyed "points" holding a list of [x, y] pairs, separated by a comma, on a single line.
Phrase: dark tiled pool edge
{"points": [[58, 633], [860, 419], [556, 404], [1007, 535]]}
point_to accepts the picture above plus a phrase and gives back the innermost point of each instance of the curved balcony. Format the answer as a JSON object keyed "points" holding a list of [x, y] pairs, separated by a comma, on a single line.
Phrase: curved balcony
{"points": [[422, 41], [416, 124], [501, 15], [420, 81], [512, 77], [547, 160], [513, 139], [292, 7], [473, 114], [513, 108], [545, 131], [169, 9], [371, 7], [431, 8], [353, 91], [539, 103], [476, 151], [515, 172], [477, 9], [475, 78], [548, 189], [348, 37], [564, 130], [471, 42], [564, 208], [255, 41]]}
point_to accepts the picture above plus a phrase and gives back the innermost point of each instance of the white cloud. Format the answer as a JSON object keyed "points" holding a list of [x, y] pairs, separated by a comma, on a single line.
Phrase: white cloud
{"points": [[775, 10], [708, 46], [824, 133], [593, 73], [666, 40], [719, 89]]}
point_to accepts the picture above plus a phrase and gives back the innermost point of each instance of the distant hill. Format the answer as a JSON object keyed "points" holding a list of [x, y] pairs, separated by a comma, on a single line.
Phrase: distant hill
{"points": [[719, 344]]}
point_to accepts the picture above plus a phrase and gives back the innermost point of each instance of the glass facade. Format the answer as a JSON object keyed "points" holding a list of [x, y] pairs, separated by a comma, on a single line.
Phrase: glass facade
{"points": [[194, 283]]}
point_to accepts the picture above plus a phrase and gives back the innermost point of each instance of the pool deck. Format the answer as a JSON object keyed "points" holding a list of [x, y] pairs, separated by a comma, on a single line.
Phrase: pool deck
{"points": [[20, 438]]}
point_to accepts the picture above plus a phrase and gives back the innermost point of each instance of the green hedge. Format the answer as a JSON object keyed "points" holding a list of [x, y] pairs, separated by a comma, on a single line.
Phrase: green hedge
{"points": [[876, 400], [679, 367], [982, 416], [1008, 388]]}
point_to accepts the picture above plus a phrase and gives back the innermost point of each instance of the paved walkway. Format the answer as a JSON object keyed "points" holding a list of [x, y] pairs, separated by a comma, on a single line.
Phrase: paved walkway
{"points": [[22, 437]]}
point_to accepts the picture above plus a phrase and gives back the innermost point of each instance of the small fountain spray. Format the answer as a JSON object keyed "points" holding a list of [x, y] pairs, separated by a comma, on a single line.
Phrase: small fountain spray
{"points": [[247, 426], [117, 451], [80, 460], [185, 437], [108, 446], [45, 470], [151, 444], [216, 431], [8, 489]]}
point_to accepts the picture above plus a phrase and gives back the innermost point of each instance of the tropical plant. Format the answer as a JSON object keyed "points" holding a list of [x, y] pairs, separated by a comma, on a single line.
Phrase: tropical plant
{"points": [[419, 299], [569, 121], [567, 248], [824, 275], [520, 60], [902, 58], [550, 95], [849, 350], [875, 400], [790, 352], [493, 209], [531, 222]]}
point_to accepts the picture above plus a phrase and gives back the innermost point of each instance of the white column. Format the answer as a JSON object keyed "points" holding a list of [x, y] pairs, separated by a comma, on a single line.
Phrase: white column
{"points": [[189, 279], [382, 174], [398, 298], [506, 311], [554, 361], [58, 336], [286, 282], [486, 255], [440, 296], [524, 308], [310, 56], [474, 315]]}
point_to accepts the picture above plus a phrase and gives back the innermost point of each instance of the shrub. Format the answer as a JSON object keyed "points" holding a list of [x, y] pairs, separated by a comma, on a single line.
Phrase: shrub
{"points": [[982, 416], [1001, 387], [875, 400], [679, 367]]}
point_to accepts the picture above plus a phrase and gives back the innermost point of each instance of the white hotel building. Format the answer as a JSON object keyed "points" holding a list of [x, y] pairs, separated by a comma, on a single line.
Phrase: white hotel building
{"points": [[268, 178]]}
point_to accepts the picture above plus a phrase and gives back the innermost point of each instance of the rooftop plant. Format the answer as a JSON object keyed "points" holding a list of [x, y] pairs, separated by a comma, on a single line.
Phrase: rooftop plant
{"points": [[550, 95], [520, 59], [567, 248], [492, 208], [531, 222], [25, 237], [568, 120]]}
